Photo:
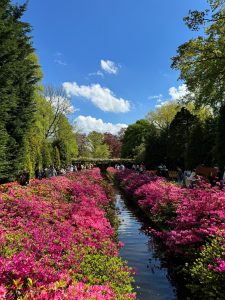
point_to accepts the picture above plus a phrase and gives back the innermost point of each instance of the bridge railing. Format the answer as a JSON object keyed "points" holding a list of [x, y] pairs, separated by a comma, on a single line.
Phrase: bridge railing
{"points": [[98, 161]]}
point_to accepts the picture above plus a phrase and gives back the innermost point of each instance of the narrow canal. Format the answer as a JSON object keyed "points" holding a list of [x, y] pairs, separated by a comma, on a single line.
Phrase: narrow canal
{"points": [[151, 280]]}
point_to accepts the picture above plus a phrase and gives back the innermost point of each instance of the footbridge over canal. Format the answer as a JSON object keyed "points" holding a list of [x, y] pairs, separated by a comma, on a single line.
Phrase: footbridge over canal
{"points": [[103, 164]]}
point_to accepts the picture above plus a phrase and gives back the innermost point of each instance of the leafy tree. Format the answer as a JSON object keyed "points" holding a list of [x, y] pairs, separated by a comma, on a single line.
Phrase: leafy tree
{"points": [[201, 60], [156, 148], [59, 147], [57, 161], [3, 151], [195, 147], [113, 143], [163, 115], [220, 139], [135, 135], [61, 106], [83, 144], [157, 144], [98, 148], [46, 154], [65, 140], [209, 141], [180, 130], [17, 83], [101, 151]]}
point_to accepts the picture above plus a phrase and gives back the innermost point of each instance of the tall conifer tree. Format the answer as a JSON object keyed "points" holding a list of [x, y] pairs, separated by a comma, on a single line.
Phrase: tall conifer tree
{"points": [[17, 82]]}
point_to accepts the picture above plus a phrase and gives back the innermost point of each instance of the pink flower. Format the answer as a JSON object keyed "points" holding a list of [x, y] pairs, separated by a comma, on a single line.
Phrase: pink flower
{"points": [[2, 292]]}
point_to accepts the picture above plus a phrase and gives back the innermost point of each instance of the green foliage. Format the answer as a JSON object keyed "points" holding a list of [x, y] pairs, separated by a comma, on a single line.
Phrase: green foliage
{"points": [[220, 145], [156, 148], [195, 146], [46, 154], [98, 268], [101, 151], [135, 135], [97, 146], [44, 151], [18, 79], [179, 136], [139, 152], [201, 59], [163, 115], [65, 140], [57, 161], [208, 283], [3, 150]]}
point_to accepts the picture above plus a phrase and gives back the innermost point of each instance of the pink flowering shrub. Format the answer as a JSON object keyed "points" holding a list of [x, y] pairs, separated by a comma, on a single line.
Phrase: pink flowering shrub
{"points": [[208, 271], [56, 242], [187, 216], [191, 223]]}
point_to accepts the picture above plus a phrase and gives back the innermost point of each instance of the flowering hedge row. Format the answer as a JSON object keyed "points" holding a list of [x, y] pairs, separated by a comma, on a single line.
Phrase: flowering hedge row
{"points": [[190, 222], [56, 242]]}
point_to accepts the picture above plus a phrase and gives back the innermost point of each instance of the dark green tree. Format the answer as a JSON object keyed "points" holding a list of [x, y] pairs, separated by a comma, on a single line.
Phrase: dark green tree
{"points": [[209, 141], [156, 148], [195, 146], [17, 83], [220, 140], [179, 138]]}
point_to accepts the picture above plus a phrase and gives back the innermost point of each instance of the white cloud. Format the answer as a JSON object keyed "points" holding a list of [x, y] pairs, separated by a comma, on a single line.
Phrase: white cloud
{"points": [[109, 66], [101, 97], [178, 93], [98, 73], [158, 98], [59, 59], [87, 124], [60, 62]]}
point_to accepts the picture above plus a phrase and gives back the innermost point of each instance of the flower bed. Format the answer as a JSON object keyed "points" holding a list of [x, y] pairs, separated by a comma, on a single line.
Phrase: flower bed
{"points": [[192, 222], [56, 242]]}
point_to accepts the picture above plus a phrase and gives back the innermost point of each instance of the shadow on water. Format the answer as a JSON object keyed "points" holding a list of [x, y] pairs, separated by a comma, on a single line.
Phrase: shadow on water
{"points": [[152, 280]]}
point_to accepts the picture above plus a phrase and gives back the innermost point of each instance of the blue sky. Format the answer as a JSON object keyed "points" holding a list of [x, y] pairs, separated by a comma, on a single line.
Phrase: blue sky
{"points": [[112, 56]]}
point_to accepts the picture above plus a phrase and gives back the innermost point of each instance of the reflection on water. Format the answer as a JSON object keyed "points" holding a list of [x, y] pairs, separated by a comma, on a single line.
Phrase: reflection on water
{"points": [[151, 279]]}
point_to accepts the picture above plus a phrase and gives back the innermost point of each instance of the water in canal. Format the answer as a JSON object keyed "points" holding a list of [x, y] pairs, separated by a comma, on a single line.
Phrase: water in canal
{"points": [[151, 278]]}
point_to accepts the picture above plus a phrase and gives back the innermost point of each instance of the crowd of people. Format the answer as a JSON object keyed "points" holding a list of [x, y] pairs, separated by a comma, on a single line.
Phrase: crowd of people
{"points": [[120, 167], [191, 178], [185, 178], [139, 168], [52, 171]]}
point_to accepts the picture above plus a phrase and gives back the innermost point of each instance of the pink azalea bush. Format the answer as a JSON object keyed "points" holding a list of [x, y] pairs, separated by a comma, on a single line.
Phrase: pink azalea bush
{"points": [[208, 270], [56, 242], [190, 222], [187, 216]]}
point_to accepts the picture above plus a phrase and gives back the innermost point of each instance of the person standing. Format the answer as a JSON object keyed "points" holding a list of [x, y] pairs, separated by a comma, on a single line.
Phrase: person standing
{"points": [[38, 173], [224, 175], [25, 178], [180, 176]]}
